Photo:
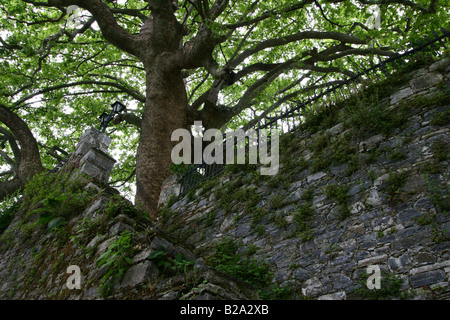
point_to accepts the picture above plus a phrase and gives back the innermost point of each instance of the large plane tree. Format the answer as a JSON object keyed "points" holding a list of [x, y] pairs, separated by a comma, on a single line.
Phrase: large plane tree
{"points": [[172, 63]]}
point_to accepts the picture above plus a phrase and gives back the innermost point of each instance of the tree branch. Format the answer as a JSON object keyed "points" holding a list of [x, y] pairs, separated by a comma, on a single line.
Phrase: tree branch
{"points": [[269, 14], [261, 84], [55, 152], [342, 37], [431, 7], [132, 174], [274, 106], [12, 143], [30, 161], [40, 21], [9, 161], [9, 187], [128, 118], [196, 52], [131, 12], [136, 95], [104, 16], [217, 8]]}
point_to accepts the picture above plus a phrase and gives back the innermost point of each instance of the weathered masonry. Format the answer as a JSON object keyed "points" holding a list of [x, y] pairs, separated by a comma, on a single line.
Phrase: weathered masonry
{"points": [[363, 185], [343, 200]]}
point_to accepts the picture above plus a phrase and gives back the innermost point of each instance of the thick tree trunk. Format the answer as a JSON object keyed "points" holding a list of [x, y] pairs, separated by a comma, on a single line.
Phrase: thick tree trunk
{"points": [[165, 111], [159, 47]]}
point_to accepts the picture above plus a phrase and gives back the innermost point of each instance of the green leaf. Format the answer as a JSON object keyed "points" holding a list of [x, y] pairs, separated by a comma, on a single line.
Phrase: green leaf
{"points": [[156, 255], [56, 222], [45, 218]]}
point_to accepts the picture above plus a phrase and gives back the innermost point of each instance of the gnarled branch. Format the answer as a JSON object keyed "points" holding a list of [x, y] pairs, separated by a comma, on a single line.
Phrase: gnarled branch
{"points": [[30, 161]]}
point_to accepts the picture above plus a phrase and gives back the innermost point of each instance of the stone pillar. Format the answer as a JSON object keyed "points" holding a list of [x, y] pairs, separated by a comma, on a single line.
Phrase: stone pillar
{"points": [[92, 139], [97, 164], [90, 155]]}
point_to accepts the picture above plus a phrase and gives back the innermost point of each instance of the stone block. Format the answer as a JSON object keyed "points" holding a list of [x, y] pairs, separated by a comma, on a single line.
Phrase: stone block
{"points": [[405, 243], [316, 176], [92, 138], [301, 274], [369, 215], [341, 260], [425, 258], [430, 267], [243, 229], [92, 170], [424, 203], [398, 263], [357, 208], [172, 295], [368, 144], [357, 229], [408, 215], [313, 287], [341, 281], [372, 260], [416, 73], [443, 64], [162, 244], [341, 295], [92, 187], [426, 81], [92, 211], [358, 188], [95, 241], [337, 129], [414, 184], [374, 198], [140, 274], [400, 95], [446, 229], [102, 247], [99, 159], [171, 186], [226, 224], [120, 227], [97, 164], [427, 278], [91, 293]]}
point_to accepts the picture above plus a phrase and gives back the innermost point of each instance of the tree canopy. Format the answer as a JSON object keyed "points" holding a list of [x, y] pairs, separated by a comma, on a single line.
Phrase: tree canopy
{"points": [[62, 62]]}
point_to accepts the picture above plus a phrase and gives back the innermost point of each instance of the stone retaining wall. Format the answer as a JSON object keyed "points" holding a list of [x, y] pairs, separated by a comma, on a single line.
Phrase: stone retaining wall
{"points": [[405, 232], [318, 224]]}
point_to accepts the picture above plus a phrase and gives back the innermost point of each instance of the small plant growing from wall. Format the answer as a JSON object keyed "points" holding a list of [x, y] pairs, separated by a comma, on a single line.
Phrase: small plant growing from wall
{"points": [[339, 193], [441, 150], [303, 217], [226, 259], [441, 118], [115, 260], [390, 288], [171, 264], [118, 206], [392, 185], [50, 200]]}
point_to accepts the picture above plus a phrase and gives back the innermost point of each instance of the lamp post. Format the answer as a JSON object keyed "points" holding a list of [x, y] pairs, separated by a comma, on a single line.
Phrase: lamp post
{"points": [[105, 118]]}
